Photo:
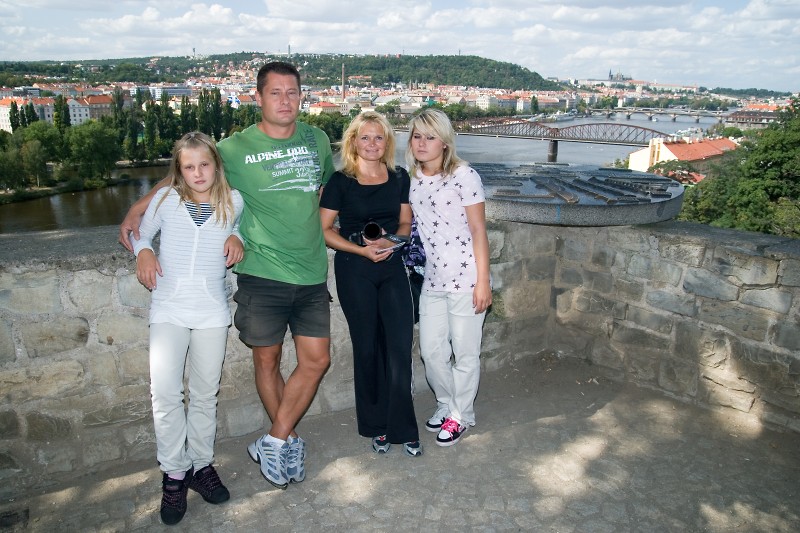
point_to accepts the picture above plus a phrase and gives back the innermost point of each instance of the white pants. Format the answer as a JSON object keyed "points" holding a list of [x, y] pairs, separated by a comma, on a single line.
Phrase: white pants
{"points": [[449, 328], [185, 439]]}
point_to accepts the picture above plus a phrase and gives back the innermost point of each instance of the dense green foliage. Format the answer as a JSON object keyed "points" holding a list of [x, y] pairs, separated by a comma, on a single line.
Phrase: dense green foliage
{"points": [[756, 187]]}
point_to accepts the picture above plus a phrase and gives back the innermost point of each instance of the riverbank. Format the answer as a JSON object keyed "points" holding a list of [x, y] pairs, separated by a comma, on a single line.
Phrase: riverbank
{"points": [[70, 185]]}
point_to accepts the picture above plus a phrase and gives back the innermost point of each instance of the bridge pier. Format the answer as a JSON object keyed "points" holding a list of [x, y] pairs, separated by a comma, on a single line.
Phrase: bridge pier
{"points": [[552, 151]]}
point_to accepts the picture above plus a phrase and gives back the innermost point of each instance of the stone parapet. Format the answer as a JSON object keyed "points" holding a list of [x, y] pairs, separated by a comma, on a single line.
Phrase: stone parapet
{"points": [[705, 315]]}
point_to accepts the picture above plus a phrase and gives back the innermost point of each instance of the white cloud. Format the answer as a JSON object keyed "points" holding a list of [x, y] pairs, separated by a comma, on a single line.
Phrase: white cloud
{"points": [[732, 43]]}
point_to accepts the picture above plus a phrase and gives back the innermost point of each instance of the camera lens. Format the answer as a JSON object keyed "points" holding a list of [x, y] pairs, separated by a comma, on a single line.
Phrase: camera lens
{"points": [[371, 231]]}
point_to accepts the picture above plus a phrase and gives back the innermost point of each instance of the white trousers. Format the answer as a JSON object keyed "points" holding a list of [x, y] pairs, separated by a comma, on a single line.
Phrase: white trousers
{"points": [[450, 345], [185, 438]]}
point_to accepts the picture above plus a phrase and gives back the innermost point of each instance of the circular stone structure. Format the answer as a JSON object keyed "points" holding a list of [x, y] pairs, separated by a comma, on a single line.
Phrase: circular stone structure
{"points": [[578, 195]]}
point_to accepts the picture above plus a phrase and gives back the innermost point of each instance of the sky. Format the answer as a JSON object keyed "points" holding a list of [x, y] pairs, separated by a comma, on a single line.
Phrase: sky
{"points": [[738, 44]]}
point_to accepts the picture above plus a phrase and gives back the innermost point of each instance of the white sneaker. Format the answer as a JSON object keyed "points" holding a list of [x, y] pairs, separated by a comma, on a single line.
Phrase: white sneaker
{"points": [[434, 423], [272, 459], [451, 432], [296, 460]]}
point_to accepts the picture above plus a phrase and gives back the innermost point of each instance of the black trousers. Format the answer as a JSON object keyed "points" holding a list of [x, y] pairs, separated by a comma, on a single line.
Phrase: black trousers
{"points": [[376, 300]]}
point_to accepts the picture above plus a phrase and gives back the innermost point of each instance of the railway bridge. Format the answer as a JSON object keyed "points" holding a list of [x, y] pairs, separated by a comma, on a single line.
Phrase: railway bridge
{"points": [[595, 133]]}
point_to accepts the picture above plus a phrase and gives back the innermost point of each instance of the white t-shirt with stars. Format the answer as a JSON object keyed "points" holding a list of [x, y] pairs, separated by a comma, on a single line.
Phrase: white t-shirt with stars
{"points": [[438, 203]]}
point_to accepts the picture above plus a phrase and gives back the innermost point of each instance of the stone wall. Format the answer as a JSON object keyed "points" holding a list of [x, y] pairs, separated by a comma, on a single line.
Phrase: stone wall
{"points": [[708, 316]]}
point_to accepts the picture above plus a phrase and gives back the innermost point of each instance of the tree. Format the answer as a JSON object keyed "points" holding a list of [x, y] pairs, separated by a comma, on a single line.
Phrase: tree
{"points": [[46, 135], [31, 115], [93, 149], [12, 173], [34, 162], [13, 116], [756, 187], [61, 114], [151, 132]]}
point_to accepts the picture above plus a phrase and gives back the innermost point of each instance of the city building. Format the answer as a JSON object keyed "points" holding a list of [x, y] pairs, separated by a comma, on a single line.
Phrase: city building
{"points": [[698, 152]]}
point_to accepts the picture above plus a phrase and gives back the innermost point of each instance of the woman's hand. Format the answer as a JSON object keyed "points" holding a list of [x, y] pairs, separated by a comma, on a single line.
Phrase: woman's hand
{"points": [[147, 269], [481, 297]]}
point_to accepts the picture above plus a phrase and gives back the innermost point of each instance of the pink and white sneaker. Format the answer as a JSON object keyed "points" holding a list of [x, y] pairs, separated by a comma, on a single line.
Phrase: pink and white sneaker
{"points": [[451, 432]]}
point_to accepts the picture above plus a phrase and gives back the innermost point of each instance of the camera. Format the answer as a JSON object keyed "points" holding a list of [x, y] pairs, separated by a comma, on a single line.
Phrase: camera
{"points": [[371, 231]]}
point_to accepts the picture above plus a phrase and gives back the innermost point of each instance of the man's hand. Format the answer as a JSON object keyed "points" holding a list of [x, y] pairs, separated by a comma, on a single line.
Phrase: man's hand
{"points": [[233, 251], [130, 224]]}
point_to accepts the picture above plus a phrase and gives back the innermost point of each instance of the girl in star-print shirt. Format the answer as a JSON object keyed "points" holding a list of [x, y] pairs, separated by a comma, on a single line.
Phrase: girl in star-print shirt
{"points": [[447, 199]]}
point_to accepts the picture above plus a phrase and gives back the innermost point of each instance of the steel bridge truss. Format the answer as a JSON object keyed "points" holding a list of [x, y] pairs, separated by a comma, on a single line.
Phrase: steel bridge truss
{"points": [[600, 133]]}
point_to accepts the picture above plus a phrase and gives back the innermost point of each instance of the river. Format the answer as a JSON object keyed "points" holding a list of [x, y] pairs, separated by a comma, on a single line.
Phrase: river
{"points": [[107, 206]]}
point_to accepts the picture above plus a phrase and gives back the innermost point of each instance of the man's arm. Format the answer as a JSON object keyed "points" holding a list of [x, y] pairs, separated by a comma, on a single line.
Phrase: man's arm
{"points": [[133, 219]]}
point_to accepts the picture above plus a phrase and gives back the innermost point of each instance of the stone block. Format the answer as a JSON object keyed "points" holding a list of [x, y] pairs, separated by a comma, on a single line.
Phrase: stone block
{"points": [[338, 394], [789, 272], [570, 277], [641, 367], [695, 342], [572, 249], [592, 302], [102, 368], [132, 293], [629, 239], [31, 292], [101, 448], [716, 394], [604, 256], [8, 353], [540, 268], [679, 304], [745, 321], [681, 252], [607, 356], [52, 380], [647, 319], [704, 283], [506, 274], [89, 290], [640, 266], [729, 379], [121, 328], [771, 299], [678, 376], [9, 425], [523, 299], [497, 239], [134, 366], [745, 266], [140, 441], [638, 338], [787, 335], [237, 379], [56, 458], [789, 401], [55, 335], [598, 281], [47, 428], [667, 273], [628, 289], [118, 414], [526, 240]]}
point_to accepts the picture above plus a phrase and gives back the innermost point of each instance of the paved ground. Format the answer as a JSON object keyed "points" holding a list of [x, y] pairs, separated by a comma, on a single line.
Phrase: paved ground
{"points": [[556, 449]]}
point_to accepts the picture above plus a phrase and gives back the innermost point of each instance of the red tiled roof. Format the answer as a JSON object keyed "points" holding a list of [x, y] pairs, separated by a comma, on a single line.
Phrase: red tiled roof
{"points": [[699, 150]]}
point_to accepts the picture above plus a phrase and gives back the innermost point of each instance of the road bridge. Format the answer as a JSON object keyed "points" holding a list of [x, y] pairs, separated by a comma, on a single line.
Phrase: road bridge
{"points": [[653, 112], [594, 133]]}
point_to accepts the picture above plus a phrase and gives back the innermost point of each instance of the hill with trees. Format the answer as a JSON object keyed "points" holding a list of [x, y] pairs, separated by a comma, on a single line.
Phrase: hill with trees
{"points": [[317, 70]]}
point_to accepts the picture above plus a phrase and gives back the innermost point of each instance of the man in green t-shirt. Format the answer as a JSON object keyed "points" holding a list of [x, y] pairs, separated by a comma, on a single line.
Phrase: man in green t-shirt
{"points": [[278, 165]]}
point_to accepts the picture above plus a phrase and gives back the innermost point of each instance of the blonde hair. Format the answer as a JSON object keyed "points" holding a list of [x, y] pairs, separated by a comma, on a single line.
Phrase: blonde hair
{"points": [[220, 191], [434, 123], [349, 145]]}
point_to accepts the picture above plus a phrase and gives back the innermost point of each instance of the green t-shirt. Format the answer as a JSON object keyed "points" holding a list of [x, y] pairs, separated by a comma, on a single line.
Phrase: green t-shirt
{"points": [[279, 180]]}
